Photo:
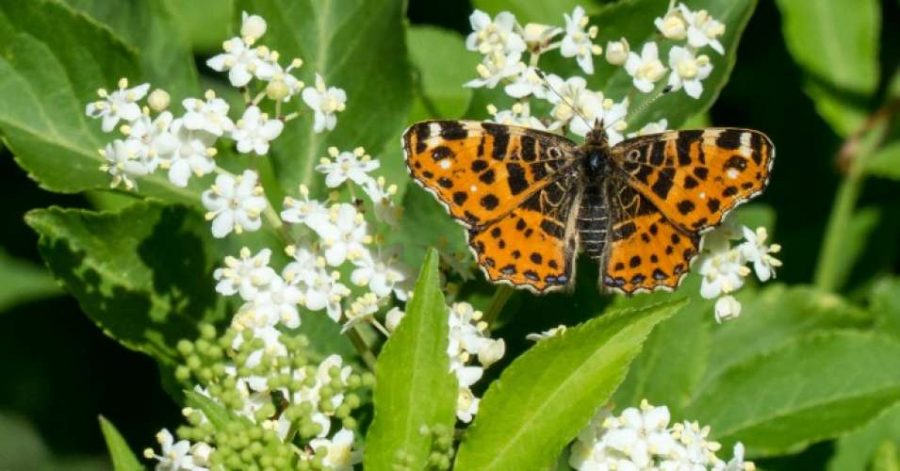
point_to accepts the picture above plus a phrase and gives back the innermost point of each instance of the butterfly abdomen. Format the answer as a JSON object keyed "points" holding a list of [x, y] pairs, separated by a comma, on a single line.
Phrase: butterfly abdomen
{"points": [[593, 222]]}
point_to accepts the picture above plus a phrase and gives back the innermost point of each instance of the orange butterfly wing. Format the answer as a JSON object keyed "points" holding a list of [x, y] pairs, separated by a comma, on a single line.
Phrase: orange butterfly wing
{"points": [[696, 177], [511, 187]]}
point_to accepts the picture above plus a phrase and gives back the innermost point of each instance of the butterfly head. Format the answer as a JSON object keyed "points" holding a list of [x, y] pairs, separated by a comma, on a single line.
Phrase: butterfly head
{"points": [[596, 137]]}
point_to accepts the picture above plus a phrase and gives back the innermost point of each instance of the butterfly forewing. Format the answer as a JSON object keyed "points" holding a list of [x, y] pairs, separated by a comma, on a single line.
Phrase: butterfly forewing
{"points": [[696, 177], [481, 171]]}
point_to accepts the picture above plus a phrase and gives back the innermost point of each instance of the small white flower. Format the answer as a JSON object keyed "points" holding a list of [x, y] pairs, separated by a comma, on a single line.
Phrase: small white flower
{"points": [[518, 115], [210, 115], [380, 277], [558, 330], [252, 27], [613, 118], [176, 456], [325, 103], [191, 153], [491, 351], [578, 43], [466, 405], [702, 29], [255, 130], [234, 204], [382, 195], [646, 68], [242, 62], [527, 83], [393, 317], [156, 136], [344, 235], [246, 276], [727, 308], [722, 272], [673, 25], [340, 455], [495, 67], [362, 309], [283, 86], [354, 166], [538, 37], [495, 36], [688, 71], [757, 251], [617, 51], [118, 105], [574, 104], [125, 159], [278, 303], [305, 211], [320, 289]]}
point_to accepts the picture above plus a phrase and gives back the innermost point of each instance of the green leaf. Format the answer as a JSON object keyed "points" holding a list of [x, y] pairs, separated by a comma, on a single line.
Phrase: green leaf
{"points": [[885, 162], [886, 457], [205, 23], [22, 281], [853, 451], [414, 389], [551, 392], [811, 389], [122, 457], [419, 228], [143, 275], [150, 28], [355, 45], [775, 316], [884, 303], [836, 44], [442, 65], [672, 361], [45, 83]]}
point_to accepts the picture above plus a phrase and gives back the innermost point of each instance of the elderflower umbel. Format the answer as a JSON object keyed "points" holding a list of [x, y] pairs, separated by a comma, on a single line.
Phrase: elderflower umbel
{"points": [[642, 438], [234, 204], [118, 105], [325, 103]]}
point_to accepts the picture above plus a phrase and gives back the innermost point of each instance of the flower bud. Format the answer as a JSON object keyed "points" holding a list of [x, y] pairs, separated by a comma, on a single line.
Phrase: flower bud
{"points": [[252, 27], [158, 100], [491, 351], [673, 26], [617, 51], [393, 318]]}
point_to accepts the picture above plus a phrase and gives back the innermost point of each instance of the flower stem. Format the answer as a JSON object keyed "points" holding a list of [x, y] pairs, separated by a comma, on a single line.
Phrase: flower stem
{"points": [[501, 296], [362, 348], [833, 263]]}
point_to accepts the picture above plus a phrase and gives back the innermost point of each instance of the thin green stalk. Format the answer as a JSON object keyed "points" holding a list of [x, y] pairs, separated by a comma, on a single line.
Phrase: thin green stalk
{"points": [[501, 296], [833, 264], [362, 348]]}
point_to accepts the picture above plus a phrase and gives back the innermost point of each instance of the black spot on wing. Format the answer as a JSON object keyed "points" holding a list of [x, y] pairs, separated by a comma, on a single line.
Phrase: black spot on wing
{"points": [[528, 145], [500, 134], [452, 130], [516, 178], [729, 139]]}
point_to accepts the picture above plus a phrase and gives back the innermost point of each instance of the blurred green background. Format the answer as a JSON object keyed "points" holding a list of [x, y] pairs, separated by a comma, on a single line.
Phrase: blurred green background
{"points": [[59, 372]]}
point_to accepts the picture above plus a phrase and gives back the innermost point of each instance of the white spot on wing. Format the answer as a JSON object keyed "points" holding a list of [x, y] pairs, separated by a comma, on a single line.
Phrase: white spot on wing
{"points": [[445, 164]]}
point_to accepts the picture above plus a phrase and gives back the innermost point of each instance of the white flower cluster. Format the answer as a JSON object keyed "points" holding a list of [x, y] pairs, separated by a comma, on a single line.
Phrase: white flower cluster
{"points": [[503, 42], [256, 394], [469, 341], [185, 146], [724, 267], [642, 439]]}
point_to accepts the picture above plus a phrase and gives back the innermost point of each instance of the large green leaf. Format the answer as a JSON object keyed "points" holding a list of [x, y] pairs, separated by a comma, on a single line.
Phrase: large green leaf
{"points": [[149, 27], [774, 316], [672, 361], [22, 281], [547, 395], [884, 300], [534, 11], [811, 389], [52, 60], [357, 45], [414, 389], [144, 274], [854, 450], [442, 65], [836, 43], [123, 458], [205, 23], [424, 224]]}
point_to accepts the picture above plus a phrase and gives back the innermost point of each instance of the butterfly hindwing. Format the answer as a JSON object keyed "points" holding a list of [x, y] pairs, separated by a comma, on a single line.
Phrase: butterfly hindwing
{"points": [[482, 171], [535, 244], [696, 177], [646, 251]]}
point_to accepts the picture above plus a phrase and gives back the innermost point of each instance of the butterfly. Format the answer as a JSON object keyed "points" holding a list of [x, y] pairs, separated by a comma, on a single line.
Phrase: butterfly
{"points": [[531, 200]]}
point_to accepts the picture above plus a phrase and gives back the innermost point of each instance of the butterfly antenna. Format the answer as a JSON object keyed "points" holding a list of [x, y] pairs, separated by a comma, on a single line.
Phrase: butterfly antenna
{"points": [[540, 73], [644, 105]]}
